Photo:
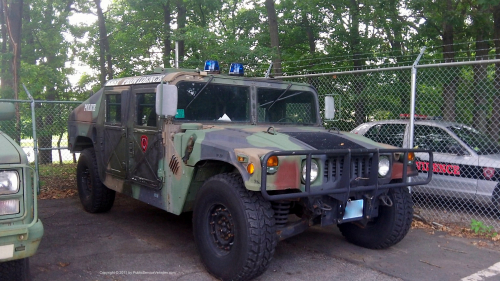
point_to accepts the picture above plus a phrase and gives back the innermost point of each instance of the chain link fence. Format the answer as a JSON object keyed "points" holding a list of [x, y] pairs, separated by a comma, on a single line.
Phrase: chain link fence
{"points": [[51, 130], [457, 116]]}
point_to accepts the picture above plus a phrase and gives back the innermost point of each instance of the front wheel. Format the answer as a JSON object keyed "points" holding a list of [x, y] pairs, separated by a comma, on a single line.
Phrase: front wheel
{"points": [[389, 228], [15, 270], [94, 195], [234, 229]]}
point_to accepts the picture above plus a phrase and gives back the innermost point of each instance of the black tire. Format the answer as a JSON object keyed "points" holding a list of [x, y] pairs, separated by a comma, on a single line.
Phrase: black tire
{"points": [[389, 228], [94, 195], [234, 229], [18, 270]]}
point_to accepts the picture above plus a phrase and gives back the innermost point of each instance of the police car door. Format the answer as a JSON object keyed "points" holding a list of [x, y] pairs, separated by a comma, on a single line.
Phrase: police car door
{"points": [[145, 143], [115, 131], [451, 160]]}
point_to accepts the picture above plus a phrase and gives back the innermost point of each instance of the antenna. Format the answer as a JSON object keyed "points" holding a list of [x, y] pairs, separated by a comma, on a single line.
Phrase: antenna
{"points": [[269, 70]]}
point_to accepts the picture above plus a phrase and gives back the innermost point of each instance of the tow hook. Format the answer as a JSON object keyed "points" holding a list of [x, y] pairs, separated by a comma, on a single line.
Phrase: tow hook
{"points": [[385, 200], [319, 206]]}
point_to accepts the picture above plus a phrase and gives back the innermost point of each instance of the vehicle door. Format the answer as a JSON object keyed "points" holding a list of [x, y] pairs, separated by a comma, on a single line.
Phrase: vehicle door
{"points": [[452, 175], [145, 141], [115, 130]]}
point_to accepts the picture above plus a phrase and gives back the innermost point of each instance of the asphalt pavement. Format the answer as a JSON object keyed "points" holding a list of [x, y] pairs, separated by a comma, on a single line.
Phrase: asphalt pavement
{"points": [[135, 241]]}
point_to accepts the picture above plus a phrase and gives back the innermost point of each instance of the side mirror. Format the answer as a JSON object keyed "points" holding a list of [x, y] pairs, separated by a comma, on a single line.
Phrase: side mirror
{"points": [[329, 108], [166, 100], [7, 110]]}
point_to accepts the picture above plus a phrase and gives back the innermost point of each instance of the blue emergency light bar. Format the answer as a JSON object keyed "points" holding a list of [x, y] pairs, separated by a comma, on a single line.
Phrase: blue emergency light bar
{"points": [[236, 69], [212, 66]]}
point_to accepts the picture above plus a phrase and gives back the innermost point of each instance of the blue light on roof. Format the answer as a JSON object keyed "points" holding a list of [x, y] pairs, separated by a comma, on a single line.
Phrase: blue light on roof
{"points": [[236, 69], [212, 66]]}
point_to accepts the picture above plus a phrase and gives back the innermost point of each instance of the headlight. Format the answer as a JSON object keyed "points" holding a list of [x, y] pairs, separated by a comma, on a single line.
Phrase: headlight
{"points": [[383, 166], [9, 182], [9, 207], [314, 171]]}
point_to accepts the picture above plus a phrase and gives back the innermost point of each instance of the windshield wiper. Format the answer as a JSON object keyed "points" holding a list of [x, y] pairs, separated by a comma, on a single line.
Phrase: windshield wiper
{"points": [[286, 90], [201, 90]]}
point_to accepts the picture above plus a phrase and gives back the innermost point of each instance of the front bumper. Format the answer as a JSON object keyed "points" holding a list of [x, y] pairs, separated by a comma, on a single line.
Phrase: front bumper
{"points": [[346, 179], [22, 244]]}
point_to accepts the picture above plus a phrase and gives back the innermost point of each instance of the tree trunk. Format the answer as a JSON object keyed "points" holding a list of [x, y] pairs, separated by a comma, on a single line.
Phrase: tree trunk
{"points": [[358, 84], [274, 34], [4, 68], [104, 53], [450, 86], [167, 49], [495, 116], [480, 83], [181, 24], [13, 14]]}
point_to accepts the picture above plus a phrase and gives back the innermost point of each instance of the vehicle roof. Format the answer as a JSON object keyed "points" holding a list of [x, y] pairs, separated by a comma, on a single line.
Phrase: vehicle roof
{"points": [[168, 74], [441, 123]]}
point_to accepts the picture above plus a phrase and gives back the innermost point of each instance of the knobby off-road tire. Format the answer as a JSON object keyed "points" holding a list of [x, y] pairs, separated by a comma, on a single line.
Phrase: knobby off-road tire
{"points": [[18, 270], [94, 195], [390, 227], [234, 229]]}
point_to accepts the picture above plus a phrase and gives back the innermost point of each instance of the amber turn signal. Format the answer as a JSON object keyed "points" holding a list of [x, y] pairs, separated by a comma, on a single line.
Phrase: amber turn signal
{"points": [[411, 156], [272, 161], [250, 168]]}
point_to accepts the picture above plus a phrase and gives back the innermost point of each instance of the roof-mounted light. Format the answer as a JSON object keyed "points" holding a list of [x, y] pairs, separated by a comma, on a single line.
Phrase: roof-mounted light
{"points": [[236, 69], [212, 66]]}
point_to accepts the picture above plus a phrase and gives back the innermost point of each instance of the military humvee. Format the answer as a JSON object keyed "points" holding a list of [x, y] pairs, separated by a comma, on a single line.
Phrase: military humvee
{"points": [[20, 228], [248, 156]]}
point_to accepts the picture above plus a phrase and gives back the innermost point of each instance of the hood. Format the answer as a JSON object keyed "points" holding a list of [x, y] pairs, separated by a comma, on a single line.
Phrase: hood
{"points": [[288, 138], [9, 152]]}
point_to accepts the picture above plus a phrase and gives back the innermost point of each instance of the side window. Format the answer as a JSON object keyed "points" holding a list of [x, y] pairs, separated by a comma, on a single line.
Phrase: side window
{"points": [[113, 108], [392, 134], [145, 114], [434, 138]]}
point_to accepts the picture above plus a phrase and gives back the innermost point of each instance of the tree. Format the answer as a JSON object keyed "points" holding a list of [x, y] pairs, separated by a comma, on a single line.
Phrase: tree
{"points": [[274, 35]]}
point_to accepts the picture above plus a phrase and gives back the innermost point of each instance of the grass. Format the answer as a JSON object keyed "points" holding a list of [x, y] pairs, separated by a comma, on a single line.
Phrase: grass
{"points": [[57, 181]]}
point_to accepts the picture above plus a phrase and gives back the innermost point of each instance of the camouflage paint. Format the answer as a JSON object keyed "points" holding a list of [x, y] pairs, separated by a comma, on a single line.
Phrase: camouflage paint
{"points": [[191, 152]]}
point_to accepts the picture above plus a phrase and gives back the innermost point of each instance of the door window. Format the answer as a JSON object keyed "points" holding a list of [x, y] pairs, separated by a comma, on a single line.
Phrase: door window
{"points": [[392, 134], [145, 109], [435, 139]]}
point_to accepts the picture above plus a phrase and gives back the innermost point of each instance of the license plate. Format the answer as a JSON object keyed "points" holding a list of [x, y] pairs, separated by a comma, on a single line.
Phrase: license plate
{"points": [[6, 252], [353, 209]]}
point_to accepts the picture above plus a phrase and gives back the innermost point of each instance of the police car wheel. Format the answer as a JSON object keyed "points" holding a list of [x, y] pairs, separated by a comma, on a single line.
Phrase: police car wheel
{"points": [[496, 199], [94, 195], [234, 229], [15, 270], [389, 228]]}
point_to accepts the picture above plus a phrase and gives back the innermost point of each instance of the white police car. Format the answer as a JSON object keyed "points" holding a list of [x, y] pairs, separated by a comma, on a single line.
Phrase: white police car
{"points": [[466, 162]]}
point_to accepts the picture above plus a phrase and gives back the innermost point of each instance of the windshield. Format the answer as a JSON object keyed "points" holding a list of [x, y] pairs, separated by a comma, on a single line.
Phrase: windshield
{"points": [[213, 102], [475, 140], [286, 106]]}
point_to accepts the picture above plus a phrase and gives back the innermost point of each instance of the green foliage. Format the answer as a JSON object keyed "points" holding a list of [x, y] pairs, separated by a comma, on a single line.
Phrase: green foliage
{"points": [[480, 228]]}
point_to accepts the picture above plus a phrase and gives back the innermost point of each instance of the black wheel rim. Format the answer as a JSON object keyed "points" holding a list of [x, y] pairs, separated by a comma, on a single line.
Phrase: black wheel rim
{"points": [[221, 228]]}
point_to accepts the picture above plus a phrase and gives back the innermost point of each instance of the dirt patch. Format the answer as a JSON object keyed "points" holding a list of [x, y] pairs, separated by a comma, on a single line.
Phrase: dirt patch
{"points": [[57, 181]]}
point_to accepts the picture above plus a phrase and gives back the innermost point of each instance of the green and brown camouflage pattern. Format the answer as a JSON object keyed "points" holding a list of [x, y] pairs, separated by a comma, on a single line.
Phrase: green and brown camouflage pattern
{"points": [[20, 233], [180, 156]]}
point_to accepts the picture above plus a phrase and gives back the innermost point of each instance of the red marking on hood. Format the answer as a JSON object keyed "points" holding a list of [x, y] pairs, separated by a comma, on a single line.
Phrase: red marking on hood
{"points": [[287, 176]]}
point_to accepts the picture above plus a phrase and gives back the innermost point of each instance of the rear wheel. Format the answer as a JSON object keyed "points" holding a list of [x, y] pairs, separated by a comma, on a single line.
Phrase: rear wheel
{"points": [[18, 270], [94, 195], [234, 229], [390, 227]]}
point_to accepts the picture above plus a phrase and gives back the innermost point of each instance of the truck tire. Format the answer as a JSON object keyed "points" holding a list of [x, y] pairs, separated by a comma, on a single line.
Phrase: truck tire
{"points": [[18, 270], [94, 195], [390, 227], [234, 229]]}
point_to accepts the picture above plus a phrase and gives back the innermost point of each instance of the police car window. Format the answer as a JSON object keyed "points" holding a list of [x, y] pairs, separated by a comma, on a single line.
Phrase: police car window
{"points": [[113, 108], [477, 141], [280, 106], [435, 139], [145, 114], [217, 102], [392, 134]]}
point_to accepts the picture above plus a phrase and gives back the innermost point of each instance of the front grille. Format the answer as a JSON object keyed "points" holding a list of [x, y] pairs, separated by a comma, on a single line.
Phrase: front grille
{"points": [[360, 167]]}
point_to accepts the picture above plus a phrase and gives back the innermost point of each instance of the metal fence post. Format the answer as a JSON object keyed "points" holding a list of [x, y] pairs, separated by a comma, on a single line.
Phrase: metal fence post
{"points": [[413, 97], [33, 122]]}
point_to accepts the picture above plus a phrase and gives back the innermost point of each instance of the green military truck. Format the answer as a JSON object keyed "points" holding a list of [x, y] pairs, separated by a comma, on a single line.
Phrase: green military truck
{"points": [[20, 229], [248, 156]]}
